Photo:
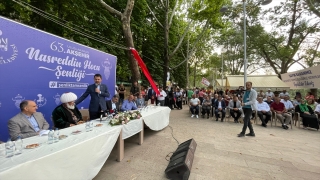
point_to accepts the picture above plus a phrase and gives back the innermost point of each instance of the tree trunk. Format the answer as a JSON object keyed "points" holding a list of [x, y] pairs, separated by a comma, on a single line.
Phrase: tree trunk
{"points": [[129, 42], [166, 44]]}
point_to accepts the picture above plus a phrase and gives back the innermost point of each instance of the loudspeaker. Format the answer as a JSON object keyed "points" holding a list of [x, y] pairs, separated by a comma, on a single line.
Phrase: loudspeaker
{"points": [[185, 146], [181, 161]]}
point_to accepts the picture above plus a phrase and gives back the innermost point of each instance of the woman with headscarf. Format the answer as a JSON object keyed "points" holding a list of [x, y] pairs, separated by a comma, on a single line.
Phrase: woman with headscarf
{"points": [[307, 115]]}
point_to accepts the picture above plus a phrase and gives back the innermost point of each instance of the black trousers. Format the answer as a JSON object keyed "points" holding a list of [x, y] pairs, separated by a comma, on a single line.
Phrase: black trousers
{"points": [[310, 120], [96, 114], [267, 114], [179, 104], [233, 112], [246, 120], [223, 112], [206, 110]]}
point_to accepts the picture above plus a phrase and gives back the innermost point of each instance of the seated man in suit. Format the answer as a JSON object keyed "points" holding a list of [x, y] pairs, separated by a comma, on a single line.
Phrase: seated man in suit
{"points": [[263, 109], [140, 101], [128, 104], [113, 105], [28, 122], [235, 108], [220, 106], [67, 114]]}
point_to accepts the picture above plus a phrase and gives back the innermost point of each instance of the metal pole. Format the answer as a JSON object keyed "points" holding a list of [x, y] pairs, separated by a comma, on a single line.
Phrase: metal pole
{"points": [[245, 43], [222, 70]]}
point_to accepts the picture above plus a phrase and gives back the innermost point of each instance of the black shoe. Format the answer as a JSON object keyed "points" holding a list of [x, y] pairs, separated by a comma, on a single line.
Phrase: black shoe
{"points": [[221, 120], [217, 119], [207, 117], [287, 127], [251, 134], [264, 125], [240, 135], [237, 122], [283, 126]]}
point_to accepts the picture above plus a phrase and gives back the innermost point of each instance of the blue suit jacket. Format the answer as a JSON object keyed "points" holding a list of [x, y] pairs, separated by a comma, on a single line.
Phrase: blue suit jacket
{"points": [[96, 99], [223, 104], [150, 93]]}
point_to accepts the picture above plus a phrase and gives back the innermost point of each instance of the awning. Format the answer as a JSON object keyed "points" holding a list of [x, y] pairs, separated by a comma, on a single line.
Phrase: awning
{"points": [[259, 82]]}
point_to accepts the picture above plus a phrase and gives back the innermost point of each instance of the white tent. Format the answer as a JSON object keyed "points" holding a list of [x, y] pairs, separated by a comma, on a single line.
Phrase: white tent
{"points": [[259, 82]]}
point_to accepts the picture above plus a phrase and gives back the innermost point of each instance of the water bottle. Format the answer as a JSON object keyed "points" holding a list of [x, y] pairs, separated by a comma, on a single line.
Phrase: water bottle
{"points": [[9, 148], [91, 125], [18, 145], [50, 137], [56, 135], [87, 126]]}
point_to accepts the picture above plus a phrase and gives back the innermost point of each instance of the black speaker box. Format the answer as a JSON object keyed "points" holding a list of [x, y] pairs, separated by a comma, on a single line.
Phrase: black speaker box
{"points": [[181, 161], [180, 166], [185, 146]]}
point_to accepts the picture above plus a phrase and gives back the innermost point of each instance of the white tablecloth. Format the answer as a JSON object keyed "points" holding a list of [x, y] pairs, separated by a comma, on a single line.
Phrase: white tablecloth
{"points": [[76, 157], [157, 117], [132, 128]]}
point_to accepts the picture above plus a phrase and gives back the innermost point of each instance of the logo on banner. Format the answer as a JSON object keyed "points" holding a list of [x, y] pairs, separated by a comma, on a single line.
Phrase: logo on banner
{"points": [[41, 101], [107, 67], [57, 99], [18, 99], [8, 52]]}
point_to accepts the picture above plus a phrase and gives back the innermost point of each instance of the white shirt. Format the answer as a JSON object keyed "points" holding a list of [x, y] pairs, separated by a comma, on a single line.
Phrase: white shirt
{"points": [[219, 105], [194, 101], [164, 94], [317, 108], [263, 106], [269, 94], [113, 105], [287, 104], [283, 94]]}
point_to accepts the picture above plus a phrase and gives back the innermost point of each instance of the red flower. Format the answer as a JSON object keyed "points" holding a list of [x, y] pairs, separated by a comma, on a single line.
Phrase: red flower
{"points": [[111, 111]]}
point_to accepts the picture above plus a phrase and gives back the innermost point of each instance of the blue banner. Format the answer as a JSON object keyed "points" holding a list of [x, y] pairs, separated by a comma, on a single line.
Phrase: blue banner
{"points": [[38, 66]]}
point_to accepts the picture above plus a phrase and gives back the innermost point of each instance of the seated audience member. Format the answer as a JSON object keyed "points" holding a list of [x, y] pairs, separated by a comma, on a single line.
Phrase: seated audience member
{"points": [[287, 104], [67, 114], [140, 101], [194, 106], [235, 108], [28, 122], [296, 101], [269, 100], [311, 103], [307, 114], [261, 94], [263, 109], [113, 105], [309, 96], [206, 106], [281, 113], [213, 101], [317, 109], [283, 93], [269, 93], [220, 106], [128, 104]]}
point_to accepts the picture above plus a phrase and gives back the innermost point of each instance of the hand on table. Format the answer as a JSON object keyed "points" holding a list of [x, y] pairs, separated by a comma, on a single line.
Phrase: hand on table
{"points": [[72, 125]]}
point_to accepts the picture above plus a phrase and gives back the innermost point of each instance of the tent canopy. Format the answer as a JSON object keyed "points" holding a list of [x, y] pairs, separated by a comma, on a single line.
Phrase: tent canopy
{"points": [[219, 82], [259, 82]]}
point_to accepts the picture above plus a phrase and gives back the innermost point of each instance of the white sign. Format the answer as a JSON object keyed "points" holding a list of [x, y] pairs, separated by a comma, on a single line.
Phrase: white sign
{"points": [[304, 79], [205, 81]]}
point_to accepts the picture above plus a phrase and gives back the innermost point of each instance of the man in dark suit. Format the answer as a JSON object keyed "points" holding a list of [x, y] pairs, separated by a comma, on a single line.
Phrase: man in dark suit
{"points": [[98, 93], [113, 105], [213, 101], [151, 95], [28, 122], [220, 106]]}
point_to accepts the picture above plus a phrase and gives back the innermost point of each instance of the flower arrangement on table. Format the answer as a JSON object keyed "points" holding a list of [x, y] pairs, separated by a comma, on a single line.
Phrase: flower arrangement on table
{"points": [[125, 117]]}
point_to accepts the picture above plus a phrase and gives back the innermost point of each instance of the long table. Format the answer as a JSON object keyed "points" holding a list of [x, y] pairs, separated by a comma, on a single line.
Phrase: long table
{"points": [[78, 156]]}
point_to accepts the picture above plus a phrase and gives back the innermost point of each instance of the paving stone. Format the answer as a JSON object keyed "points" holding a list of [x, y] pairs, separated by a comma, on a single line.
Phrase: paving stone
{"points": [[273, 154]]}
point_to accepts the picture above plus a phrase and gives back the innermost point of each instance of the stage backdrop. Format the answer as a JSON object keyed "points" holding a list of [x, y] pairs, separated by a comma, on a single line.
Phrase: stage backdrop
{"points": [[35, 65]]}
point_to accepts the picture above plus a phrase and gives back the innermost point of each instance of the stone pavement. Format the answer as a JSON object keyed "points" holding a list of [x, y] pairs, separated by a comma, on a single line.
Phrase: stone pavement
{"points": [[273, 154]]}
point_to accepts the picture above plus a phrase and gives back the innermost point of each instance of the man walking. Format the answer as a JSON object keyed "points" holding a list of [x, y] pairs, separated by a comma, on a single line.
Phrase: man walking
{"points": [[249, 104]]}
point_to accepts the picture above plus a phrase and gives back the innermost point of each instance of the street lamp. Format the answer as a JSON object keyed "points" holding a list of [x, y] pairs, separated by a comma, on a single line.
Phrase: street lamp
{"points": [[224, 9]]}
